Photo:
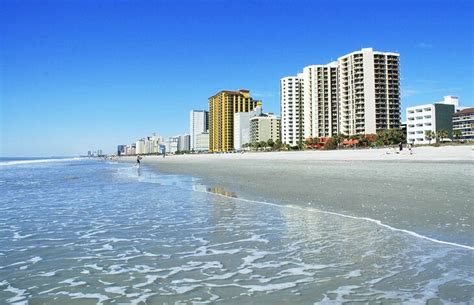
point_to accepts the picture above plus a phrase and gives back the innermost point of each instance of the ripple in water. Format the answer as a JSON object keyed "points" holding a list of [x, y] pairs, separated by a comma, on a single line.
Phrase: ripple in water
{"points": [[111, 236]]}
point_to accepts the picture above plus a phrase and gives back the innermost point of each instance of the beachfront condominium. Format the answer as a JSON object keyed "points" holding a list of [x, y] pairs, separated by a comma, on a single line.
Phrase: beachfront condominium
{"points": [[172, 145], [320, 104], [198, 124], [140, 146], [264, 128], [222, 107], [369, 92], [242, 126], [201, 142], [291, 109], [357, 94], [463, 124], [184, 142], [425, 121]]}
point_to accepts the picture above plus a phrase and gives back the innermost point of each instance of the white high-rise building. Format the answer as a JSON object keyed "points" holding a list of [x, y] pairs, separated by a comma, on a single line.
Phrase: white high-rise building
{"points": [[320, 100], [172, 145], [140, 147], [369, 92], [198, 124], [291, 109], [242, 126], [357, 94], [184, 142]]}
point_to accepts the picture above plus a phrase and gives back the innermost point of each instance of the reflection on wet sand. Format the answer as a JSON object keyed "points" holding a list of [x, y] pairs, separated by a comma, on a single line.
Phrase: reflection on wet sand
{"points": [[219, 190]]}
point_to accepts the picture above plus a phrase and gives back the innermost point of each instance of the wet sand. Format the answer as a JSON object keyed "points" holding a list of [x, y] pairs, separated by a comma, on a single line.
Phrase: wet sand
{"points": [[428, 192]]}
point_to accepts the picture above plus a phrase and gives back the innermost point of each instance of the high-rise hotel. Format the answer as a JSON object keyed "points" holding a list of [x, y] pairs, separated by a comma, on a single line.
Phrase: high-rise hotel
{"points": [[198, 128], [369, 92], [320, 100], [222, 107], [291, 109], [357, 94]]}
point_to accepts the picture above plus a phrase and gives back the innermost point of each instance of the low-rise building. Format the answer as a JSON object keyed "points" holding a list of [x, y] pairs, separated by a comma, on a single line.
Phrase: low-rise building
{"points": [[463, 124], [264, 128], [201, 142], [430, 118], [242, 126]]}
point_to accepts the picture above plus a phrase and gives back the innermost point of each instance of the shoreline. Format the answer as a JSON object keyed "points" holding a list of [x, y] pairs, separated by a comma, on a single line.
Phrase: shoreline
{"points": [[421, 192]]}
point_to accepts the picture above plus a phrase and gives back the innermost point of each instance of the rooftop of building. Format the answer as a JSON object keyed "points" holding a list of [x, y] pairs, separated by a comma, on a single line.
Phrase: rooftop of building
{"points": [[464, 112], [368, 50], [244, 92]]}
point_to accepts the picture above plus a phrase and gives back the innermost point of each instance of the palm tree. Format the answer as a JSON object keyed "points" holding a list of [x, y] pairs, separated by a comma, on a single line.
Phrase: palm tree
{"points": [[270, 143], [442, 134], [338, 138], [255, 145], [457, 134], [430, 134], [278, 145]]}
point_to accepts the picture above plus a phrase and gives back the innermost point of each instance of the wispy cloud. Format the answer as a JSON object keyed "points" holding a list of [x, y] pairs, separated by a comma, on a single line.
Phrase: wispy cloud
{"points": [[424, 45]]}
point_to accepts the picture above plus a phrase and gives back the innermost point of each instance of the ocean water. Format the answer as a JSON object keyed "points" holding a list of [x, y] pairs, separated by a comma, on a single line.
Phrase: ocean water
{"points": [[78, 231]]}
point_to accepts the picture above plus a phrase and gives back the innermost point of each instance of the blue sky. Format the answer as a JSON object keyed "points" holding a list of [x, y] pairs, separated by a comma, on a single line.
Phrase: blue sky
{"points": [[83, 75]]}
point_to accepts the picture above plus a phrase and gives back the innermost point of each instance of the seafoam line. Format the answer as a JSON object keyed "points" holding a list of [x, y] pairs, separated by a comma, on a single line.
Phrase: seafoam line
{"points": [[378, 222]]}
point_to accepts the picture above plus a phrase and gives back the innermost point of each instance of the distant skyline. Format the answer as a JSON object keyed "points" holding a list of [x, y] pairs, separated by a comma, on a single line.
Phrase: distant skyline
{"points": [[88, 75]]}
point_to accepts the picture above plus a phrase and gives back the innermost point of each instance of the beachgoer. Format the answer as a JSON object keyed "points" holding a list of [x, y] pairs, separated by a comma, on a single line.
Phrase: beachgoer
{"points": [[138, 160], [400, 146]]}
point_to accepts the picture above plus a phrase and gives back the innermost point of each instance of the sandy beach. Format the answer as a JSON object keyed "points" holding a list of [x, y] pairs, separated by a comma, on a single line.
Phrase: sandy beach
{"points": [[422, 191]]}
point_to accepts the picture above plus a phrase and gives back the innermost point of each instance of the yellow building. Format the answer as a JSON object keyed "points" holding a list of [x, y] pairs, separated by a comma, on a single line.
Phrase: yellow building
{"points": [[222, 107]]}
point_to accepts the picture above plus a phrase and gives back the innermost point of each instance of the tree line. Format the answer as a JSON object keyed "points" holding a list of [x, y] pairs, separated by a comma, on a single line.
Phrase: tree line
{"points": [[384, 137]]}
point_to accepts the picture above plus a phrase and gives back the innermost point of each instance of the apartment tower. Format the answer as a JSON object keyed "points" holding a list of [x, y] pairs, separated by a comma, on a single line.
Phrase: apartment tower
{"points": [[369, 92], [198, 124], [222, 107], [291, 109], [320, 100]]}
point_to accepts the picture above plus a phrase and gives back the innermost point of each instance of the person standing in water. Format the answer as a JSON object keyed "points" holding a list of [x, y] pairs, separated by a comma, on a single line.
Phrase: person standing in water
{"points": [[138, 160]]}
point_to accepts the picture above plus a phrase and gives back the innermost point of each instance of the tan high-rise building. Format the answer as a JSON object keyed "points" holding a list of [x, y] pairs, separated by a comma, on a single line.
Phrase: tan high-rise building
{"points": [[222, 107]]}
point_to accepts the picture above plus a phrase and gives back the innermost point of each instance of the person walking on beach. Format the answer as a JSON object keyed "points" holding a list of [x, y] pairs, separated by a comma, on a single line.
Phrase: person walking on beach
{"points": [[400, 146]]}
